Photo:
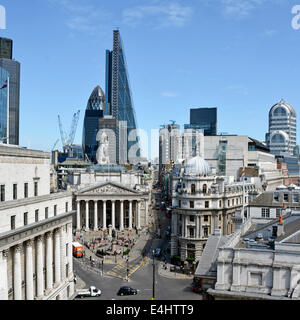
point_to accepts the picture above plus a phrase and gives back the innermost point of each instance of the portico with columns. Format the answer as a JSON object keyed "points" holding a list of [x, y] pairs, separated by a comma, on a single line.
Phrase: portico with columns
{"points": [[111, 203]]}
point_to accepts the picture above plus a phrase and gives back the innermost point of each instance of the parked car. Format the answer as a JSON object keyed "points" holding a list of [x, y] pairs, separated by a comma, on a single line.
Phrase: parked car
{"points": [[91, 292], [125, 291]]}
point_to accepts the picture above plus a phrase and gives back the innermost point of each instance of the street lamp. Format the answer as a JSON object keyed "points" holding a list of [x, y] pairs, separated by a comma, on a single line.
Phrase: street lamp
{"points": [[153, 288]]}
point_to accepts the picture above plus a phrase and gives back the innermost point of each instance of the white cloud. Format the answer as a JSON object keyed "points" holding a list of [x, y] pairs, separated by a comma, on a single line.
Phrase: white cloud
{"points": [[169, 94], [158, 15], [82, 16]]}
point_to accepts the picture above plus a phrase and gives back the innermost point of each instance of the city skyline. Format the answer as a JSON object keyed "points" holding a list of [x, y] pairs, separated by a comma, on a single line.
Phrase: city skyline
{"points": [[241, 59]]}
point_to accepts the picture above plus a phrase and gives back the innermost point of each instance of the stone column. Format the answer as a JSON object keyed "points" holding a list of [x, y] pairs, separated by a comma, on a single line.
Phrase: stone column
{"points": [[130, 215], [121, 215], [95, 215], [185, 226], [139, 215], [4, 274], [224, 224], [29, 271], [174, 224], [78, 222], [17, 273], [49, 261], [70, 251], [113, 214], [63, 252], [57, 257], [39, 266], [104, 215], [87, 222]]}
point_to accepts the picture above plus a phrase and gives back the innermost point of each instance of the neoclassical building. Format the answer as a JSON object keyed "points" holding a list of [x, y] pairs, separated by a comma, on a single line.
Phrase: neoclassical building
{"points": [[111, 204], [201, 203], [35, 229]]}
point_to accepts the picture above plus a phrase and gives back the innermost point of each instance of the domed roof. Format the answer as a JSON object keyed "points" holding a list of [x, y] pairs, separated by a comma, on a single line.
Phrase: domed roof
{"points": [[281, 187], [96, 100], [282, 107], [197, 166]]}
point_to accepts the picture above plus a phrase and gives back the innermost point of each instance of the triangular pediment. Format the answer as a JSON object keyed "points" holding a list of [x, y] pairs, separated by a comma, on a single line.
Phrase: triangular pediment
{"points": [[108, 188]]}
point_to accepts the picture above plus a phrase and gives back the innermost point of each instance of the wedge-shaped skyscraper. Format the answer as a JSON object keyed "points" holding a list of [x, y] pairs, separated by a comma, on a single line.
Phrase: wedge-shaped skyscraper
{"points": [[118, 102]]}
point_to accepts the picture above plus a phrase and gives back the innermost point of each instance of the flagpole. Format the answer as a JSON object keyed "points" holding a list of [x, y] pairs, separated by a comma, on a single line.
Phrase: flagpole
{"points": [[7, 141]]}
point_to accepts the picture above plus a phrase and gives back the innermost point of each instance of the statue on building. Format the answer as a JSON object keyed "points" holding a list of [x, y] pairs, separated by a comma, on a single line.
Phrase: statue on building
{"points": [[102, 152]]}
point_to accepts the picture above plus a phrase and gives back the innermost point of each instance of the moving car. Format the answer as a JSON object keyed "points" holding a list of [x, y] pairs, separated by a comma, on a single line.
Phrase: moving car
{"points": [[91, 292], [125, 291], [157, 252]]}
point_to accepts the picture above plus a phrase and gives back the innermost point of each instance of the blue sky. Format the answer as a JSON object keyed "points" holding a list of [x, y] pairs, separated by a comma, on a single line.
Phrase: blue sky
{"points": [[241, 56]]}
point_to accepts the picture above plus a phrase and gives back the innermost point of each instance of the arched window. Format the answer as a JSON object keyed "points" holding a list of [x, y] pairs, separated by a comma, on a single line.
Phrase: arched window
{"points": [[193, 189], [277, 138], [204, 188], [280, 112]]}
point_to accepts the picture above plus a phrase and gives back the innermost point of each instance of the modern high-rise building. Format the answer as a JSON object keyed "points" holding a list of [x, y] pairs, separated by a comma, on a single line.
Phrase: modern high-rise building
{"points": [[94, 112], [4, 113], [118, 102], [205, 119], [13, 68], [282, 128]]}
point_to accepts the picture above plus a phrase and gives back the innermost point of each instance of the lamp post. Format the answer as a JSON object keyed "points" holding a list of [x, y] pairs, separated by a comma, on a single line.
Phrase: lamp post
{"points": [[102, 266], [153, 285]]}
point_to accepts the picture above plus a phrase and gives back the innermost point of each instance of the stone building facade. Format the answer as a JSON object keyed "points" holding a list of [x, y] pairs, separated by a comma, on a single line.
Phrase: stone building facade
{"points": [[35, 229], [201, 203]]}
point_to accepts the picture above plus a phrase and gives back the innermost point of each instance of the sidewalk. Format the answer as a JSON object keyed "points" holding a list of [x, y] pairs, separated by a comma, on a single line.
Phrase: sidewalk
{"points": [[171, 275]]}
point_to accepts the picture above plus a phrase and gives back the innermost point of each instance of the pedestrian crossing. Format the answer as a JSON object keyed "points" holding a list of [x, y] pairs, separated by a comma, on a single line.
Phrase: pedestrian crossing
{"points": [[120, 270]]}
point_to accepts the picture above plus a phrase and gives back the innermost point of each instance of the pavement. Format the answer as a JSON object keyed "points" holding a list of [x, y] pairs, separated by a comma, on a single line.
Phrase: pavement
{"points": [[145, 243]]}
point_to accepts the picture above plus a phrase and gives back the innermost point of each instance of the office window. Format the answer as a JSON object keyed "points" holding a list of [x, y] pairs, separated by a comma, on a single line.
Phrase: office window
{"points": [[15, 195], [179, 203], [228, 203], [46, 213], [204, 188], [25, 218], [220, 217], [265, 212], [206, 204], [67, 249], [35, 189], [55, 210], [232, 202], [285, 197], [192, 233], [67, 206], [276, 196], [13, 222], [2, 193], [25, 190], [193, 189], [36, 215], [206, 218], [205, 232], [192, 204], [220, 203], [192, 218], [295, 197]]}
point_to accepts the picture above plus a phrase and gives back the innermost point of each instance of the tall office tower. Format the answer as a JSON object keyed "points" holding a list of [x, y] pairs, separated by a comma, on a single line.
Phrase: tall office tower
{"points": [[13, 69], [118, 101], [4, 102], [94, 112], [282, 128], [203, 118]]}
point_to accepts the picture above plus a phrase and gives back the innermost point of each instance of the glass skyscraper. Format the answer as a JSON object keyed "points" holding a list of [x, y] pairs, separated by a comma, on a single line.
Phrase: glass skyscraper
{"points": [[4, 75], [118, 101], [13, 68], [203, 118], [94, 112]]}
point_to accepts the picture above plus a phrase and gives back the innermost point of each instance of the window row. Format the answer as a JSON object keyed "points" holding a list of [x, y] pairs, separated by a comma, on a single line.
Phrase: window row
{"points": [[3, 190], [37, 216]]}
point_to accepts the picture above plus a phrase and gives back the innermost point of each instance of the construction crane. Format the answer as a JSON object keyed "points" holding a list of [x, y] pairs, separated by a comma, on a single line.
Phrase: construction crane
{"points": [[67, 141], [55, 144], [172, 121]]}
